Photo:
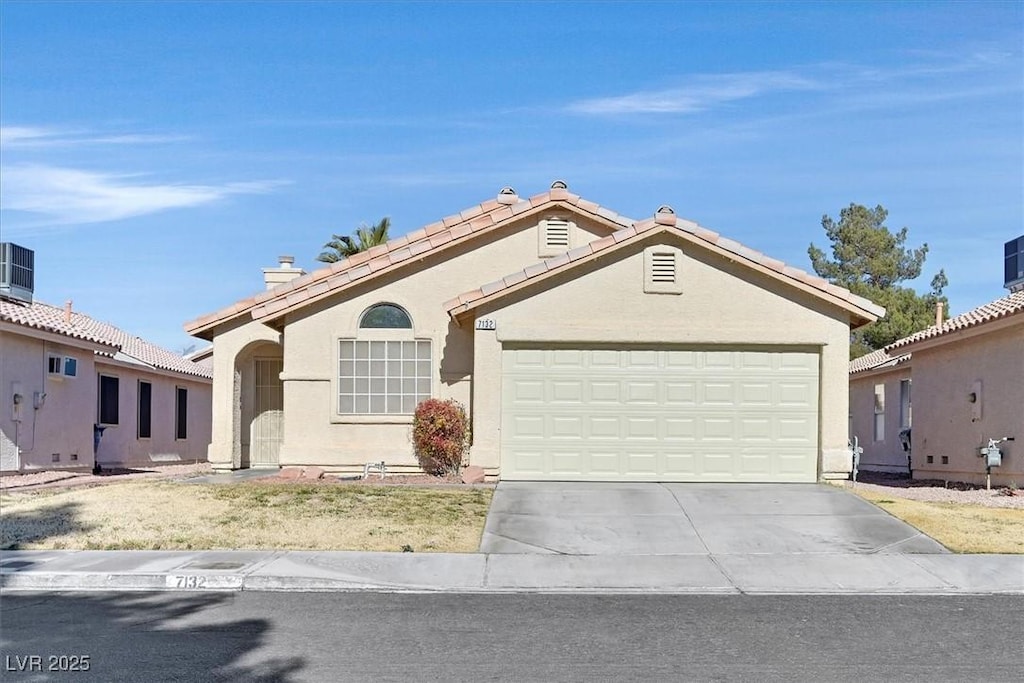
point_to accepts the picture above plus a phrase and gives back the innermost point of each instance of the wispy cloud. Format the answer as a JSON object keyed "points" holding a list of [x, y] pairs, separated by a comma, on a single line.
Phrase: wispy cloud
{"points": [[702, 92], [25, 137], [64, 196]]}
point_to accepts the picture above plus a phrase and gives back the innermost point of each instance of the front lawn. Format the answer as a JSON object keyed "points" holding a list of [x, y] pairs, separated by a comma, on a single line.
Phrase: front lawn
{"points": [[961, 527], [146, 515]]}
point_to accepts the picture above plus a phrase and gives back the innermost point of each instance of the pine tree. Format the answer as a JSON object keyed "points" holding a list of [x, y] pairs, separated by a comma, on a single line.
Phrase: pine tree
{"points": [[871, 261]]}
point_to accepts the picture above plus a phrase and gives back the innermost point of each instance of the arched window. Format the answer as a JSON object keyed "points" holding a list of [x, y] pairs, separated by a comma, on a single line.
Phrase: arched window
{"points": [[386, 371], [386, 316]]}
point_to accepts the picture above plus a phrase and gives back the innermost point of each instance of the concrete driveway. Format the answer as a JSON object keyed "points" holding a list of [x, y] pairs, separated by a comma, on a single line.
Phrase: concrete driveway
{"points": [[569, 518]]}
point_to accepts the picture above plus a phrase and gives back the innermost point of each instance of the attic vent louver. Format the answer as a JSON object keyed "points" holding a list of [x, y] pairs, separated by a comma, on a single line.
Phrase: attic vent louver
{"points": [[17, 272], [557, 234], [663, 267]]}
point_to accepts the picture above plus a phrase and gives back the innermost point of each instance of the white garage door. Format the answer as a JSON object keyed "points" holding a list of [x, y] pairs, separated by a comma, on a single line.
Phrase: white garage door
{"points": [[659, 415]]}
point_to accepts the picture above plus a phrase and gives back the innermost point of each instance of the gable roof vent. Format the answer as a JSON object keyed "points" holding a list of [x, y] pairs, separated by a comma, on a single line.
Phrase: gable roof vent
{"points": [[663, 267], [559, 185], [557, 234], [17, 272]]}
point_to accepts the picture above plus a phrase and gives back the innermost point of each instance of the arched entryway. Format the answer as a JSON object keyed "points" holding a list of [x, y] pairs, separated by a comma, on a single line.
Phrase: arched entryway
{"points": [[259, 405]]}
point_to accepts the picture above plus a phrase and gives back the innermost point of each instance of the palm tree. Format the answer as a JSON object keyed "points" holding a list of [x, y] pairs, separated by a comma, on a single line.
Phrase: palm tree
{"points": [[366, 236]]}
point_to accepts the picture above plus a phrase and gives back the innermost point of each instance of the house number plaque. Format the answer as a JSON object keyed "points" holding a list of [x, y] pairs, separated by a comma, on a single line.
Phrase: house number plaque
{"points": [[486, 324]]}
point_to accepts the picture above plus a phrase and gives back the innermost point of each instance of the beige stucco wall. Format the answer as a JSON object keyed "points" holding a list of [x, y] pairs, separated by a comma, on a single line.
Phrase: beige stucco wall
{"points": [[120, 444], [62, 426], [722, 304], [313, 431], [233, 346], [886, 455], [945, 421]]}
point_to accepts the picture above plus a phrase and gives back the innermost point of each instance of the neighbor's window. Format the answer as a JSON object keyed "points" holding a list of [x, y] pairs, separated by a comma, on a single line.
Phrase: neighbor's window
{"points": [[879, 412], [382, 377], [145, 430], [386, 316], [108, 400], [905, 417], [181, 413]]}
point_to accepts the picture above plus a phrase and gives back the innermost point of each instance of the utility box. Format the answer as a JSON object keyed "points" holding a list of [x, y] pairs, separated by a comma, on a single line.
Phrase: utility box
{"points": [[993, 456]]}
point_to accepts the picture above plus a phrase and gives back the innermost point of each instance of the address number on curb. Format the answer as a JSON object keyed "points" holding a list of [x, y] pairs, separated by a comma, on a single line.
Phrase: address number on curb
{"points": [[486, 324], [187, 581]]}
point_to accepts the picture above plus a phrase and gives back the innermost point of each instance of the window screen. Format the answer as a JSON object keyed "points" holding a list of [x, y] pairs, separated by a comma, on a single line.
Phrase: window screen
{"points": [[181, 413], [108, 400], [145, 410]]}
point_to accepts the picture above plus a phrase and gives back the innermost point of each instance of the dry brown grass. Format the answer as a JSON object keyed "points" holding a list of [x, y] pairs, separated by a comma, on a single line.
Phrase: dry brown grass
{"points": [[962, 528], [178, 516]]}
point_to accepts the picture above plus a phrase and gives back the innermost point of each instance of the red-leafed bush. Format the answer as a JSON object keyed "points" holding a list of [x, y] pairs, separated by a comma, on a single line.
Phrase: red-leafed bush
{"points": [[440, 435]]}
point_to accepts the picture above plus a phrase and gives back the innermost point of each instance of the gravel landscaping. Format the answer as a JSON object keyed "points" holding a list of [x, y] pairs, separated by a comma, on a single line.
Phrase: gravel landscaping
{"points": [[931, 490]]}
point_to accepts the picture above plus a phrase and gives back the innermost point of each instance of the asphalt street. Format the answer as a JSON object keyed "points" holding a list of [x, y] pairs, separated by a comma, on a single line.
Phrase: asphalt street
{"points": [[244, 636]]}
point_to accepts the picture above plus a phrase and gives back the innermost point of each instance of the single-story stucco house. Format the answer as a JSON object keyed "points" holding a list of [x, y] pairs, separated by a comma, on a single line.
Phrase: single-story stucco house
{"points": [[68, 378], [585, 346], [967, 375]]}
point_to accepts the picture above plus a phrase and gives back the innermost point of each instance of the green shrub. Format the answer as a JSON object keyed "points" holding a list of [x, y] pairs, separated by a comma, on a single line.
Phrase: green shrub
{"points": [[440, 436]]}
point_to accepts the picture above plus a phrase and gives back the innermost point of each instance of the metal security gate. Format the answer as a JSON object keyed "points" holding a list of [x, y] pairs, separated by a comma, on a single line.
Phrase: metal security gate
{"points": [[268, 414], [712, 415]]}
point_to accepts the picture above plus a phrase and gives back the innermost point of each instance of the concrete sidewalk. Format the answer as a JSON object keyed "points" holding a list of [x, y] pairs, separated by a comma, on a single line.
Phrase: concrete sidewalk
{"points": [[803, 573]]}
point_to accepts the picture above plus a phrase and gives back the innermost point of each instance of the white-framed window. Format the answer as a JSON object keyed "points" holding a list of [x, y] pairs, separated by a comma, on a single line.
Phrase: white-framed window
{"points": [[879, 412], [385, 370], [905, 409], [62, 366], [383, 377], [108, 400]]}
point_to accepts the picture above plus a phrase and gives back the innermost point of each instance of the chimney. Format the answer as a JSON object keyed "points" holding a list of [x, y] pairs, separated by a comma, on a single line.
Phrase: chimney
{"points": [[938, 313], [285, 272], [67, 312]]}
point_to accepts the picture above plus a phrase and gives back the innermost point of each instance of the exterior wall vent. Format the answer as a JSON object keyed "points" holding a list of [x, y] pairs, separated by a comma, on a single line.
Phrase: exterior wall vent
{"points": [[555, 237], [17, 272], [662, 265]]}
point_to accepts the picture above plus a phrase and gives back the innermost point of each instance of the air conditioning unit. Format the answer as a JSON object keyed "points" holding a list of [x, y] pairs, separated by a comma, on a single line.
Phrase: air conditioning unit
{"points": [[1013, 274], [17, 272]]}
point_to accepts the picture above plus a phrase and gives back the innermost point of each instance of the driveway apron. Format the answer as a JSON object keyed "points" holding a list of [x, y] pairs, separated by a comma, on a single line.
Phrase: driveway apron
{"points": [[627, 518]]}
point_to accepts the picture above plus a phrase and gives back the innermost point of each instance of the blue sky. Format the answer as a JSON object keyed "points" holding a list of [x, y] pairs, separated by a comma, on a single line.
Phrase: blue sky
{"points": [[156, 156]]}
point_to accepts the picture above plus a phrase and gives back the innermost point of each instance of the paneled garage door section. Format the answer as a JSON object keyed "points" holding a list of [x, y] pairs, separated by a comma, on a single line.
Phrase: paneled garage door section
{"points": [[659, 415]]}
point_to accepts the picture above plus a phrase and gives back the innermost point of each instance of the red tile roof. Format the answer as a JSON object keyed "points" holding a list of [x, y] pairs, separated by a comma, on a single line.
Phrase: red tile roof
{"points": [[990, 312], [40, 316], [666, 220], [448, 231], [876, 360]]}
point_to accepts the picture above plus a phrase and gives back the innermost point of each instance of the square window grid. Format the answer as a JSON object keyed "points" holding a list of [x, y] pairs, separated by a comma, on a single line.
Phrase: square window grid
{"points": [[383, 377]]}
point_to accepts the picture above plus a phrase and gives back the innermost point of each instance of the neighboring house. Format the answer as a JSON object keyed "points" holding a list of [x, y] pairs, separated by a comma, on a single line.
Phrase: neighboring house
{"points": [[585, 346], [968, 387], [880, 409], [67, 378]]}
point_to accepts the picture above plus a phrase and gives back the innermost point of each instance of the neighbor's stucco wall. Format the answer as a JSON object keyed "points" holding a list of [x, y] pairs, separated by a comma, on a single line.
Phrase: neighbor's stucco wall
{"points": [[945, 421], [59, 433], [886, 455], [722, 304], [120, 444]]}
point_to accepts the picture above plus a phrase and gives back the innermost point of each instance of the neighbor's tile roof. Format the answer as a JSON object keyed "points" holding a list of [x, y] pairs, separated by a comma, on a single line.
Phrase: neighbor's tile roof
{"points": [[875, 360], [447, 231], [40, 316], [990, 312], [665, 220]]}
